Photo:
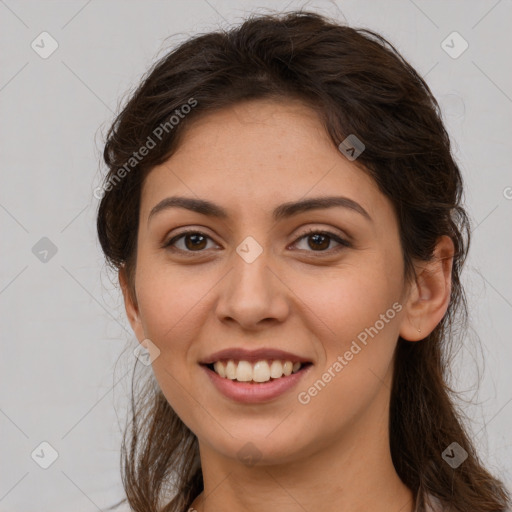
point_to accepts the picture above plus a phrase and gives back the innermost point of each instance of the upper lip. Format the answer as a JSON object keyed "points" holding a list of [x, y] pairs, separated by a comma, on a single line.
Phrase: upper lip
{"points": [[240, 354]]}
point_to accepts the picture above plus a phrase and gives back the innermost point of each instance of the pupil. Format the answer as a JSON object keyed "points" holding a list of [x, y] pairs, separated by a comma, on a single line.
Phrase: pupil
{"points": [[196, 243], [315, 237]]}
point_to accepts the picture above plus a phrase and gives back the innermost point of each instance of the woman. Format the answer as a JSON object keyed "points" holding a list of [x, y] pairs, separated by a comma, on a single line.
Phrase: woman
{"points": [[285, 215]]}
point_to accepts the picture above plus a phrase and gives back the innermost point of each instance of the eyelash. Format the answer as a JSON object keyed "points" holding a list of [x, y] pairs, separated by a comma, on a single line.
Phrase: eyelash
{"points": [[343, 243]]}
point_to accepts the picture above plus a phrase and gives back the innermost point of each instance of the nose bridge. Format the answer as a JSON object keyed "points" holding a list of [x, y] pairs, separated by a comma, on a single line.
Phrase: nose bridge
{"points": [[252, 292]]}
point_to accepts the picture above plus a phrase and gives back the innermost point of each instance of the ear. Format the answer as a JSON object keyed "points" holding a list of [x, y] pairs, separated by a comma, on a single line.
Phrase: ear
{"points": [[429, 295], [130, 305]]}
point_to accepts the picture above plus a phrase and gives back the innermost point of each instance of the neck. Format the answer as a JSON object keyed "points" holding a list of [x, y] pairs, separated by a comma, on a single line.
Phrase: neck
{"points": [[354, 474]]}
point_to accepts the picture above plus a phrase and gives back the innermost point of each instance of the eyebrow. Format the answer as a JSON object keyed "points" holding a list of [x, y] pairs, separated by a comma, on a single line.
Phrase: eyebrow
{"points": [[282, 211]]}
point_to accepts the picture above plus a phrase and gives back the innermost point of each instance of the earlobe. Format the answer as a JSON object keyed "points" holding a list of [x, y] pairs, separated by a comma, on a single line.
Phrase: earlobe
{"points": [[430, 294]]}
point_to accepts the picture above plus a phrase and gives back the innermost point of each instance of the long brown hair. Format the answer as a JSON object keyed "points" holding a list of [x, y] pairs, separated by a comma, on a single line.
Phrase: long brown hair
{"points": [[358, 84]]}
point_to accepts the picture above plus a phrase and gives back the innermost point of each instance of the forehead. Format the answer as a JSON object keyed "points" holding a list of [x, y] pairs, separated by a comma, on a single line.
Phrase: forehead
{"points": [[253, 156]]}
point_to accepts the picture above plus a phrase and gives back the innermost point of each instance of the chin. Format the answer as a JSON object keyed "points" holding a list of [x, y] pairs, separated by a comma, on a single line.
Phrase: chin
{"points": [[257, 447]]}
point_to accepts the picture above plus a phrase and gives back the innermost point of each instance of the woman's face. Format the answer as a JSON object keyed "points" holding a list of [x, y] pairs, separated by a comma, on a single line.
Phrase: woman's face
{"points": [[254, 280]]}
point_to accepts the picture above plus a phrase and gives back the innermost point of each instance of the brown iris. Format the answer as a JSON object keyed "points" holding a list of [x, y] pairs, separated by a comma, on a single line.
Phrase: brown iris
{"points": [[316, 236], [196, 242]]}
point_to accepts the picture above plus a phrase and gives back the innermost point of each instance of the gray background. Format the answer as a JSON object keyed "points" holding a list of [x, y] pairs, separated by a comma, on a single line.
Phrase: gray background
{"points": [[63, 326]]}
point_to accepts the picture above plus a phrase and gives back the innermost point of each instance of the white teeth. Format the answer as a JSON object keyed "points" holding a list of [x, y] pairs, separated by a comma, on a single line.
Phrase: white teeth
{"points": [[220, 369], [231, 370], [287, 368], [276, 369], [261, 371], [244, 371]]}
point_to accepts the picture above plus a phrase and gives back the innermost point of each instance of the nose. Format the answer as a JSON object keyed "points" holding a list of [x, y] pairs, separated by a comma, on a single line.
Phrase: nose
{"points": [[253, 295]]}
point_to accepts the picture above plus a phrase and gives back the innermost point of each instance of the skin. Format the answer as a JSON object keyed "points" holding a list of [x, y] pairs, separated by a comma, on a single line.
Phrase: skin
{"points": [[332, 453]]}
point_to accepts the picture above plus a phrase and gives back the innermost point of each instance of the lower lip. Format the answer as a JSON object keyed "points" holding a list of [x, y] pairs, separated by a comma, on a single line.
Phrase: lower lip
{"points": [[249, 393]]}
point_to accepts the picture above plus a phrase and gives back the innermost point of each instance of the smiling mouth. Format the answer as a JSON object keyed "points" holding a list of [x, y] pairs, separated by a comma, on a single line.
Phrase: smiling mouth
{"points": [[258, 372]]}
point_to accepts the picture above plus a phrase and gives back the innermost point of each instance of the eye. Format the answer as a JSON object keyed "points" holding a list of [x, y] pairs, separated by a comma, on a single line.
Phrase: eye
{"points": [[321, 240], [194, 241]]}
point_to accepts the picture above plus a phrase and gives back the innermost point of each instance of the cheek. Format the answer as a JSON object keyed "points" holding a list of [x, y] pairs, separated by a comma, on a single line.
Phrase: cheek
{"points": [[174, 305], [354, 313], [357, 362], [169, 304], [342, 303], [167, 295]]}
